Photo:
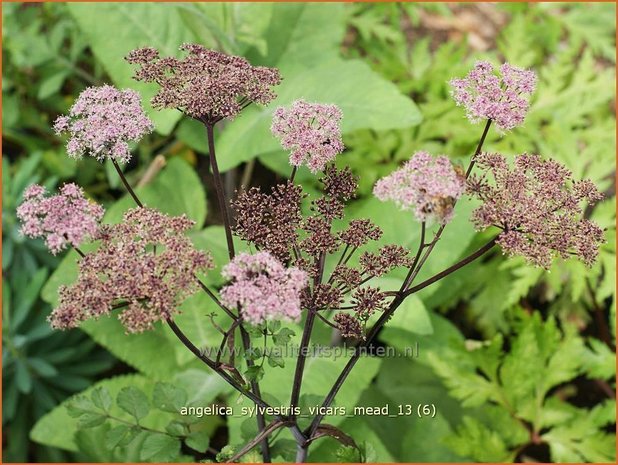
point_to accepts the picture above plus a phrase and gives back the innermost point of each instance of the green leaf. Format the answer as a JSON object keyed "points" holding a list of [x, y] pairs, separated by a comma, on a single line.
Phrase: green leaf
{"points": [[367, 101], [133, 401], [137, 349], [160, 448], [57, 428], [274, 325], [168, 397], [120, 435], [275, 360], [283, 337], [176, 428], [101, 398], [23, 380], [90, 420], [292, 43], [132, 26], [42, 367], [176, 190], [254, 373], [412, 316], [477, 441], [348, 454], [199, 441], [52, 84]]}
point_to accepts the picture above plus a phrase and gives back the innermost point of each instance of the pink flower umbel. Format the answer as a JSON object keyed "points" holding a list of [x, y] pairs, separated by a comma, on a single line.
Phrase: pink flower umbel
{"points": [[502, 98], [427, 185], [539, 208], [206, 84], [102, 122], [145, 265], [311, 131], [263, 288], [67, 218]]}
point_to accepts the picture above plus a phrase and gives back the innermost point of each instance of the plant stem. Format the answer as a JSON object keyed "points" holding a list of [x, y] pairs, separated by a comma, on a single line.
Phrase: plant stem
{"points": [[246, 339], [421, 246], [304, 342], [219, 189], [460, 264], [382, 321], [479, 147], [211, 364], [126, 184], [415, 269], [302, 357], [301, 453], [255, 388], [262, 436], [215, 299]]}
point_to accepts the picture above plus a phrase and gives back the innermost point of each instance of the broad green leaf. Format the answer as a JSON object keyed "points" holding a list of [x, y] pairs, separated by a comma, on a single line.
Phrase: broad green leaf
{"points": [[102, 399], [412, 316], [160, 448], [212, 240], [176, 190], [199, 441], [133, 401], [367, 101], [168, 397], [301, 36], [120, 435], [136, 349], [201, 386]]}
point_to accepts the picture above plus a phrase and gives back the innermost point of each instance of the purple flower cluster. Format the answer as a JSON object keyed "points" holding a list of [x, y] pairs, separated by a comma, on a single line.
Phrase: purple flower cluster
{"points": [[102, 122], [502, 98], [270, 221], [427, 185], [539, 208], [263, 288], [206, 84], [311, 131], [67, 218], [144, 265]]}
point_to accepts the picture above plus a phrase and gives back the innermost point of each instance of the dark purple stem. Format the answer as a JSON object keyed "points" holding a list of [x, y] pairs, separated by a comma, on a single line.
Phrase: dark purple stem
{"points": [[382, 321], [219, 189], [399, 298], [126, 184]]}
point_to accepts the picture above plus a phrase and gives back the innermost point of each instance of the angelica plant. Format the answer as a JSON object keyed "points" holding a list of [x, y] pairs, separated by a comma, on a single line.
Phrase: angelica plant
{"points": [[296, 265]]}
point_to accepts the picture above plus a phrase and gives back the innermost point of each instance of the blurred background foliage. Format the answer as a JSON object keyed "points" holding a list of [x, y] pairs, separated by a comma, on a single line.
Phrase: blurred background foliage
{"points": [[519, 362]]}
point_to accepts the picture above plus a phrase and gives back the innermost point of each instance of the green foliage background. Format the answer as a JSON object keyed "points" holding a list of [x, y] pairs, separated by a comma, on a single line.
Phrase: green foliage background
{"points": [[519, 362]]}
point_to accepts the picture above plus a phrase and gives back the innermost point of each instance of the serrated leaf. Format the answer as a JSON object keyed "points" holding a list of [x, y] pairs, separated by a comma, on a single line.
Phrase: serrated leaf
{"points": [[133, 401], [101, 398], [168, 397], [160, 448], [199, 441], [283, 337], [120, 435]]}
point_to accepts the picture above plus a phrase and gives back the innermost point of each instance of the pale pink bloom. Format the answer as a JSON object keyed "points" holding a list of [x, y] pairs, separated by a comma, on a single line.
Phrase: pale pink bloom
{"points": [[145, 266], [311, 131], [538, 206], [67, 218], [263, 288], [102, 121], [502, 98], [427, 185]]}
